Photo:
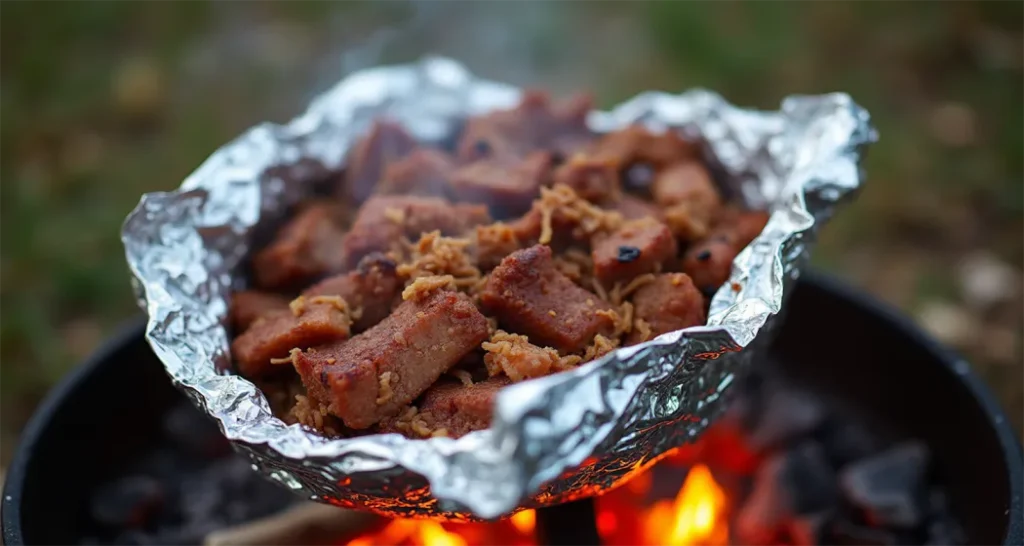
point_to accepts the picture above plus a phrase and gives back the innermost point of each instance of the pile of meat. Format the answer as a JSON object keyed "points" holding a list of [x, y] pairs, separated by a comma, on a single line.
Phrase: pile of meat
{"points": [[433, 278]]}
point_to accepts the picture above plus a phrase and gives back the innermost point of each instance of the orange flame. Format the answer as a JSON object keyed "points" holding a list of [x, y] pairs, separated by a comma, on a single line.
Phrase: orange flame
{"points": [[695, 517], [514, 531]]}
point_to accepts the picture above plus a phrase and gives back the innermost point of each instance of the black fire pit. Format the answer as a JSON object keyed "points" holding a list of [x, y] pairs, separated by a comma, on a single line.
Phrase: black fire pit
{"points": [[115, 407]]}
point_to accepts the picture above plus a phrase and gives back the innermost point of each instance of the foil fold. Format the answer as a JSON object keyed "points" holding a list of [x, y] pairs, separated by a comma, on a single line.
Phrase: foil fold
{"points": [[553, 439]]}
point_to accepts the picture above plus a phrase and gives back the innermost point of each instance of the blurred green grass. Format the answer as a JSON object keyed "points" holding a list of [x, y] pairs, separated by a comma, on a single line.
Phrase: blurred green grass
{"points": [[102, 101]]}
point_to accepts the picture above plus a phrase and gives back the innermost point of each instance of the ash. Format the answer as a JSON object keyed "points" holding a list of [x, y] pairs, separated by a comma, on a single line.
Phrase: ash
{"points": [[182, 489]]}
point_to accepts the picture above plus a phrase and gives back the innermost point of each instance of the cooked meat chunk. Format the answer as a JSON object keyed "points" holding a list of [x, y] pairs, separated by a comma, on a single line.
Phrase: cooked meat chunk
{"points": [[709, 261], [534, 124], [561, 218], [668, 303], [528, 294], [636, 144], [308, 247], [506, 185], [270, 339], [449, 409], [424, 172], [372, 288], [249, 305], [386, 143], [638, 247], [592, 178], [740, 227], [514, 356], [383, 221], [634, 208], [688, 182], [376, 373]]}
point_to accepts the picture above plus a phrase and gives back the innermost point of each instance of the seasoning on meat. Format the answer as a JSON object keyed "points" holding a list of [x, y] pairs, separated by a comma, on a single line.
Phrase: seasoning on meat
{"points": [[249, 305], [517, 358], [308, 247], [386, 143], [417, 343], [526, 288], [506, 185], [494, 242], [592, 178], [372, 287], [384, 221], [435, 255], [668, 303], [424, 172], [274, 336], [638, 247], [564, 214], [450, 409]]}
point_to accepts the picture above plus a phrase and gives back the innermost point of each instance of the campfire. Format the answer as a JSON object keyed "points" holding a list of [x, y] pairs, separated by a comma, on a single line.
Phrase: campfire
{"points": [[696, 516], [783, 467]]}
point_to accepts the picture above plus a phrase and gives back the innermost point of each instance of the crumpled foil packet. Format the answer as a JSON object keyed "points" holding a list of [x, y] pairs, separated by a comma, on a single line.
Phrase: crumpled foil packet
{"points": [[554, 439]]}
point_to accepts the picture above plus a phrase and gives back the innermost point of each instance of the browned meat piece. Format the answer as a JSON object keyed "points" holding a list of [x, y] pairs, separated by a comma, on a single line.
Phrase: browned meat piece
{"points": [[528, 294], [383, 221], [740, 227], [592, 178], [372, 288], [449, 409], [376, 373], [687, 182], [636, 144], [272, 337], [249, 305], [506, 185], [308, 247], [668, 303], [386, 142], [634, 208], [423, 172], [638, 247], [534, 124], [709, 262]]}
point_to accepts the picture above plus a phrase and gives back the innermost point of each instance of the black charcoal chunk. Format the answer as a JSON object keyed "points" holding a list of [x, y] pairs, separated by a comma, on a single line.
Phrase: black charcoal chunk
{"points": [[785, 414], [844, 533], [794, 483], [889, 486], [136, 538], [811, 480], [129, 502], [846, 439]]}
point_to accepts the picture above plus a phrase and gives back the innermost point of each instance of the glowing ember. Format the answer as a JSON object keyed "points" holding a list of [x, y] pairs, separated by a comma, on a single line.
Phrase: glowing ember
{"points": [[525, 521], [515, 531]]}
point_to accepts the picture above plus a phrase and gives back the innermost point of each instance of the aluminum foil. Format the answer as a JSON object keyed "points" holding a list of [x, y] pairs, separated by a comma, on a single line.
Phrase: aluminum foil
{"points": [[553, 439]]}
